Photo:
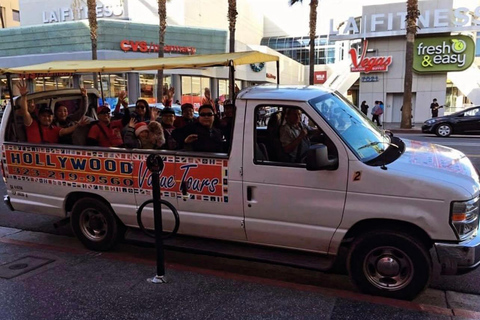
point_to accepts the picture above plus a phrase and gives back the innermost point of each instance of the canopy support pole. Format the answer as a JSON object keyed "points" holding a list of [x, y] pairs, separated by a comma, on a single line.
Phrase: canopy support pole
{"points": [[12, 106], [278, 71], [101, 88], [231, 86]]}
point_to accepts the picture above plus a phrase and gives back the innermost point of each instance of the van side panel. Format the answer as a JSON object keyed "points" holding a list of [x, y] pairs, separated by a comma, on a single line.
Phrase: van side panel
{"points": [[41, 177]]}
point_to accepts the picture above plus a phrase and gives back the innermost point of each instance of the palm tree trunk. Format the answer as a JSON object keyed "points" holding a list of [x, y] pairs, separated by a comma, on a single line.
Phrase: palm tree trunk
{"points": [[92, 20], [411, 19], [313, 31], [162, 15]]}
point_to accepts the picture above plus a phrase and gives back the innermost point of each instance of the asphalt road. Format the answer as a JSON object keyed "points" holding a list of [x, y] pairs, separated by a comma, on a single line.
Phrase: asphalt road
{"points": [[469, 283]]}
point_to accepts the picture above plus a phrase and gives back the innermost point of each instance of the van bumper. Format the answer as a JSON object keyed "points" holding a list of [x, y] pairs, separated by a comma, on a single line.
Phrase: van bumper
{"points": [[6, 200], [459, 258]]}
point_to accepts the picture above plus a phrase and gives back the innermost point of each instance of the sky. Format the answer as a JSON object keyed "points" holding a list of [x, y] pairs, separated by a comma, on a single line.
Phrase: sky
{"points": [[299, 12]]}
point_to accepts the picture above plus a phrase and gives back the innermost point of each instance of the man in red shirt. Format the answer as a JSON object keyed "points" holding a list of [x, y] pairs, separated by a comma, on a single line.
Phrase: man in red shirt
{"points": [[41, 130], [106, 133]]}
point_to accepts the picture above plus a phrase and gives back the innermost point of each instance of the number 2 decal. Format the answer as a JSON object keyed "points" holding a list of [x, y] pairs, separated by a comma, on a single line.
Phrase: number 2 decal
{"points": [[357, 175]]}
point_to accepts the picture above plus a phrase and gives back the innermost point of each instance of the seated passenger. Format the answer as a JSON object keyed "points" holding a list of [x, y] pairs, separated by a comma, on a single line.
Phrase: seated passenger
{"points": [[167, 116], [226, 123], [294, 136], [21, 134], [201, 136], [187, 116], [64, 120], [106, 133], [138, 135], [42, 130]]}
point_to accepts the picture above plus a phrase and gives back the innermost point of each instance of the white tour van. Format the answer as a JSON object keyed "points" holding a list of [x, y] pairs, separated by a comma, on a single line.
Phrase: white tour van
{"points": [[400, 208]]}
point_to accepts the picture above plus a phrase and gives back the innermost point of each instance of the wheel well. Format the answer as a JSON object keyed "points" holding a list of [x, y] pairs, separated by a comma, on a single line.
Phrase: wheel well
{"points": [[73, 197], [364, 226]]}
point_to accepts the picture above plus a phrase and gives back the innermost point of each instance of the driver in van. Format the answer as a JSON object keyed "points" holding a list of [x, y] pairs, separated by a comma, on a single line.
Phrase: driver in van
{"points": [[41, 130], [294, 136]]}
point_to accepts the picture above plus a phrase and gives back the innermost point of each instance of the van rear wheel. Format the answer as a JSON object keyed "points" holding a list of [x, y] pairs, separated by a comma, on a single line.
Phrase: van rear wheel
{"points": [[389, 264], [95, 224]]}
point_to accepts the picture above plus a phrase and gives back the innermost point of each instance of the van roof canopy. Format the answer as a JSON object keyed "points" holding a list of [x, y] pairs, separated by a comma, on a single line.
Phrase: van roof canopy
{"points": [[190, 62]]}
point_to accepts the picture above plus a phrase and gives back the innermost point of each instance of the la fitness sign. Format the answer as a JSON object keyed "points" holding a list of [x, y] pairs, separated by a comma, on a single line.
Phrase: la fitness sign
{"points": [[390, 20], [443, 54], [80, 12], [362, 63]]}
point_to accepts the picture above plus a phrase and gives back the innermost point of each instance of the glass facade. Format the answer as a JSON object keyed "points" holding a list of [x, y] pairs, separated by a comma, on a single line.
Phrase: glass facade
{"points": [[298, 48]]}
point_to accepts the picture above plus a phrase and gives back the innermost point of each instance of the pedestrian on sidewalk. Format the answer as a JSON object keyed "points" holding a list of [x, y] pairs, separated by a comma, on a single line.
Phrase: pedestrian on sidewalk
{"points": [[377, 111], [364, 107]]}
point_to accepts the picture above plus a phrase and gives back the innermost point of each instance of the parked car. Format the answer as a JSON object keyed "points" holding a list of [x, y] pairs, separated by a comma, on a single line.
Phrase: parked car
{"points": [[462, 122], [176, 107]]}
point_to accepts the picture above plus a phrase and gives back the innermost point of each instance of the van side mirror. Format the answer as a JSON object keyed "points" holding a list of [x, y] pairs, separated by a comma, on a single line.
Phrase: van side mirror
{"points": [[317, 159]]}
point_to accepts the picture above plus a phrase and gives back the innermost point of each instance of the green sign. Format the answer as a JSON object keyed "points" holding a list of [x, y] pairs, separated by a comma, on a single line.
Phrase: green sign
{"points": [[443, 54]]}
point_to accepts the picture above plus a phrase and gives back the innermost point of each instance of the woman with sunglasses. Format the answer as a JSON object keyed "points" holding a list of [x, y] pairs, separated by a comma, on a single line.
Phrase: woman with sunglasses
{"points": [[201, 136], [142, 109]]}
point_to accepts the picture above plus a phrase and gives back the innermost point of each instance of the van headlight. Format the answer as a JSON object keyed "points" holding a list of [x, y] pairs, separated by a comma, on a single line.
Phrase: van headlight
{"points": [[464, 217]]}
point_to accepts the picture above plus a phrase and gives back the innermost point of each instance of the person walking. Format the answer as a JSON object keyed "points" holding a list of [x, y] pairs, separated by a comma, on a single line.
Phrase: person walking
{"points": [[377, 111]]}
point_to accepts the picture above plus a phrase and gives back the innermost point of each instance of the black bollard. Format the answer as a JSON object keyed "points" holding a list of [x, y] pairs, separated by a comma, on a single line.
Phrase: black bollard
{"points": [[155, 165]]}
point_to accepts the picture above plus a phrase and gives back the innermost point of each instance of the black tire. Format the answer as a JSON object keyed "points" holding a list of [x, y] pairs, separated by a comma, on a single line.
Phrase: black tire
{"points": [[389, 264], [443, 130], [95, 224]]}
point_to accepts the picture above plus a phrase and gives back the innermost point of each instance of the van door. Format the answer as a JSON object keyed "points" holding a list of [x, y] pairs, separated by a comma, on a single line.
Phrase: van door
{"points": [[212, 206], [286, 205]]}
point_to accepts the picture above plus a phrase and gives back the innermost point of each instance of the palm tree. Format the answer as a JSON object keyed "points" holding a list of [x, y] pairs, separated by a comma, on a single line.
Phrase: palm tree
{"points": [[162, 16], [313, 31], [411, 23], [232, 21], [92, 20]]}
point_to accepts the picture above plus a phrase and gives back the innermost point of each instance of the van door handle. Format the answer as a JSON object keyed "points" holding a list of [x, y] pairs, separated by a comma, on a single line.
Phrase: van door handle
{"points": [[183, 188], [249, 193]]}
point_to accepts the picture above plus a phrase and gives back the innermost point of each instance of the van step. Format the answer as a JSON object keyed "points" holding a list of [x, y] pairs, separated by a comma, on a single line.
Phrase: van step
{"points": [[237, 250]]}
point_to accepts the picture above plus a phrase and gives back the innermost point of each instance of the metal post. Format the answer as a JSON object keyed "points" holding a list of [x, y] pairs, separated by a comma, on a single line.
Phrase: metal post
{"points": [[155, 165], [278, 71], [12, 105]]}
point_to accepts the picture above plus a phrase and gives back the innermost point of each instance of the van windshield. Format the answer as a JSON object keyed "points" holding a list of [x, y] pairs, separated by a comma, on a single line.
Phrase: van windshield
{"points": [[355, 129]]}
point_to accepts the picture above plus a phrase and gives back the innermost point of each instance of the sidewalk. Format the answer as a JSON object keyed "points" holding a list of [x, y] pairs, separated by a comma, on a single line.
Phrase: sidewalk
{"points": [[395, 127], [45, 276]]}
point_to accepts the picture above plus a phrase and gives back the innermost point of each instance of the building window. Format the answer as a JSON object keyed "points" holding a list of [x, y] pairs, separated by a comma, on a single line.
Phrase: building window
{"points": [[16, 15], [192, 90]]}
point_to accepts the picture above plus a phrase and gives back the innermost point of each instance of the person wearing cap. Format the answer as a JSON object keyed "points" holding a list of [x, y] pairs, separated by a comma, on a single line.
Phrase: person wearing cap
{"points": [[64, 120], [167, 116], [106, 132], [138, 135], [201, 136], [187, 116], [42, 130]]}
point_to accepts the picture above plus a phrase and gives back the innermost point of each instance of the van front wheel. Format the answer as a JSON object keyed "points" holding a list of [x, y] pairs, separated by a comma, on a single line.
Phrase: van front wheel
{"points": [[389, 264], [94, 224]]}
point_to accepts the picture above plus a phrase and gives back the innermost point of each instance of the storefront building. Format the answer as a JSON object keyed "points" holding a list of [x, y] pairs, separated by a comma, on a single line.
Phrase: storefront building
{"points": [[127, 29], [444, 55], [58, 30]]}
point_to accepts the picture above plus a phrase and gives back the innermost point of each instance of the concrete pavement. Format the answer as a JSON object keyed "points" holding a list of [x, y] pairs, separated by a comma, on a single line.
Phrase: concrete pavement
{"points": [[44, 276]]}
